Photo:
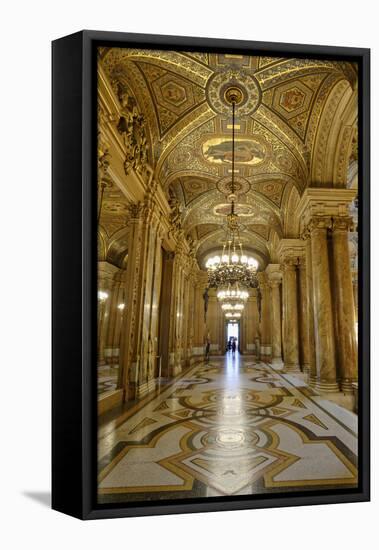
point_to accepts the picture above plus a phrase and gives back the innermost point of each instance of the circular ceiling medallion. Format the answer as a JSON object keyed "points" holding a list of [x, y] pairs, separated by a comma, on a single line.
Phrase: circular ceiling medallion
{"points": [[233, 94], [222, 86], [241, 185]]}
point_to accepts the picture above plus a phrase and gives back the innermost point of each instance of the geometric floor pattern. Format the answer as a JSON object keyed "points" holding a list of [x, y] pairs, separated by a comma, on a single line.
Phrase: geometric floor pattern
{"points": [[106, 379], [230, 427]]}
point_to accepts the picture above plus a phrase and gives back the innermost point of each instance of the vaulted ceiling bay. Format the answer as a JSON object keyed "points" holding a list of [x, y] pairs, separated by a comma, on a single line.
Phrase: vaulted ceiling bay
{"points": [[295, 128]]}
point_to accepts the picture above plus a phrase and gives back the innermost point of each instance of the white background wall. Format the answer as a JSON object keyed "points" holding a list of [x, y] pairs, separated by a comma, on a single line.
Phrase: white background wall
{"points": [[26, 31]]}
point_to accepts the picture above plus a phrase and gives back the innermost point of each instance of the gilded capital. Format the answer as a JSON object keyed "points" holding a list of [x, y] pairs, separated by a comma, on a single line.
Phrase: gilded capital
{"points": [[289, 264], [274, 274], [135, 210], [342, 224], [317, 223]]}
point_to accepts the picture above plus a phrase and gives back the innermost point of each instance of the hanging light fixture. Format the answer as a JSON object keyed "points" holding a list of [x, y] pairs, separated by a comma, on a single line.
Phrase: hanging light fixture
{"points": [[232, 272]]}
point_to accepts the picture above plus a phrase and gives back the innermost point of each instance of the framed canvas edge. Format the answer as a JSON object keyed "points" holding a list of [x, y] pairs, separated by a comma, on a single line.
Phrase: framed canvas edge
{"points": [[88, 510]]}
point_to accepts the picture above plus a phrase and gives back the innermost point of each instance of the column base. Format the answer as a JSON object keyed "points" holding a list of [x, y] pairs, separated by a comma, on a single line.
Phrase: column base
{"points": [[347, 385], [355, 391], [291, 368], [327, 387], [177, 369], [312, 381], [145, 388], [277, 363], [306, 368]]}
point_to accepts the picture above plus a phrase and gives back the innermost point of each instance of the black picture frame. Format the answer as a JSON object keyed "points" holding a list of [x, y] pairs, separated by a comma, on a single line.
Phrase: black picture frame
{"points": [[74, 418]]}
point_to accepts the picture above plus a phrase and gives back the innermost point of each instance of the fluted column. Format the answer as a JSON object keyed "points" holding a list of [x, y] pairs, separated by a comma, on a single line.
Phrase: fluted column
{"points": [[311, 328], [303, 317], [121, 313], [290, 316], [103, 316], [344, 300], [136, 347], [322, 303], [265, 321], [354, 277], [276, 323], [110, 336], [106, 286]]}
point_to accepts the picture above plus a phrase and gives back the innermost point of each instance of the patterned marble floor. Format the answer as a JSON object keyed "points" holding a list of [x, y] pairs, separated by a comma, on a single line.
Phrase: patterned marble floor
{"points": [[106, 379], [230, 427]]}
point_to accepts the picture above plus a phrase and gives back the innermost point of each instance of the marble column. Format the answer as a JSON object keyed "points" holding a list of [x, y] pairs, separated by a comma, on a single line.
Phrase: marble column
{"points": [[176, 313], [110, 337], [128, 368], [103, 316], [265, 320], [303, 317], [165, 306], [199, 324], [354, 277], [136, 346], [290, 316], [322, 303], [121, 313], [311, 327], [344, 302], [276, 323]]}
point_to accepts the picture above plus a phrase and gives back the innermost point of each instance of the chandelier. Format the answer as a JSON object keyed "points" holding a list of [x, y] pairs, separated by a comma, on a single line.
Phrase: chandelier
{"points": [[232, 293], [232, 272]]}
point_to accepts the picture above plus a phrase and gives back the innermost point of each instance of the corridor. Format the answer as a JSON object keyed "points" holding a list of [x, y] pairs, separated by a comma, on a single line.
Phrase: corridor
{"points": [[229, 427]]}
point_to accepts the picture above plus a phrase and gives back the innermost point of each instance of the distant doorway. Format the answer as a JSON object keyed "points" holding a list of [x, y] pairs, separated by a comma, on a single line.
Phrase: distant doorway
{"points": [[232, 332]]}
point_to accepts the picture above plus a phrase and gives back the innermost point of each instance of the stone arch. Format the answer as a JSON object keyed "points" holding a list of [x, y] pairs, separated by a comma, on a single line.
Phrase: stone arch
{"points": [[101, 244], [333, 136]]}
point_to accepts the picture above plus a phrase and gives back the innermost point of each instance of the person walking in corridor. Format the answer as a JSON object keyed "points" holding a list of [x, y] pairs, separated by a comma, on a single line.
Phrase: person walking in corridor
{"points": [[207, 350], [234, 346]]}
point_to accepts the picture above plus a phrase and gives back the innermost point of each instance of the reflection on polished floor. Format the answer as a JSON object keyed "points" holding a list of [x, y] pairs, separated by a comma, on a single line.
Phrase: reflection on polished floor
{"points": [[229, 427]]}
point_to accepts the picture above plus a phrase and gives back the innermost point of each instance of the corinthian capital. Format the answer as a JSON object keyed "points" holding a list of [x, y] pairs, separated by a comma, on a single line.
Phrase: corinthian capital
{"points": [[343, 223], [289, 264], [318, 223], [135, 210]]}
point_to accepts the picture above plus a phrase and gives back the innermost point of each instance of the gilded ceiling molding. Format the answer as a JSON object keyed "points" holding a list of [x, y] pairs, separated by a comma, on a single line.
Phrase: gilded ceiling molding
{"points": [[347, 143], [324, 148], [201, 57], [191, 187], [200, 115], [184, 157], [296, 68], [272, 188], [288, 139], [170, 60], [258, 208], [291, 223], [130, 78], [317, 105], [101, 243]]}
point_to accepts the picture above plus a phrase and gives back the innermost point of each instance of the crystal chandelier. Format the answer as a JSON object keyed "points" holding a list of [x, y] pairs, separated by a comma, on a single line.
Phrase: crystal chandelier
{"points": [[230, 315], [232, 293], [232, 272]]}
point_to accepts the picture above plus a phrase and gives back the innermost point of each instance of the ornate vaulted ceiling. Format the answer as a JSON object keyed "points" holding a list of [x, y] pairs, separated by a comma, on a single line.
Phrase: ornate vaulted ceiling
{"points": [[283, 132]]}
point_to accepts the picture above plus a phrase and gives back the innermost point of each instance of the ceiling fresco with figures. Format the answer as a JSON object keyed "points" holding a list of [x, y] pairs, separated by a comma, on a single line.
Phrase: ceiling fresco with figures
{"points": [[282, 127]]}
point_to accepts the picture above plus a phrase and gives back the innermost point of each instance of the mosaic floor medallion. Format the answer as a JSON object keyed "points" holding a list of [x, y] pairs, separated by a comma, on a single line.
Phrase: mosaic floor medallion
{"points": [[231, 427]]}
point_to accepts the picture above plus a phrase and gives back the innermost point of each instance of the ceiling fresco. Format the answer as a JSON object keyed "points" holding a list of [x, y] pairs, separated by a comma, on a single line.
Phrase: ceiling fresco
{"points": [[189, 121]]}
